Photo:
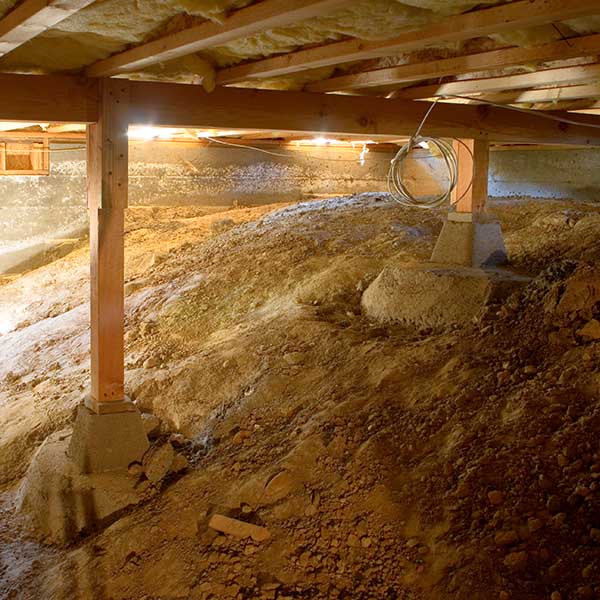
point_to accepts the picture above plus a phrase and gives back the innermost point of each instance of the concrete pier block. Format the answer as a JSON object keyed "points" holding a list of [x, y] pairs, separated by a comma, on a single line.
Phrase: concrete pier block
{"points": [[79, 480], [107, 442], [60, 503], [470, 241]]}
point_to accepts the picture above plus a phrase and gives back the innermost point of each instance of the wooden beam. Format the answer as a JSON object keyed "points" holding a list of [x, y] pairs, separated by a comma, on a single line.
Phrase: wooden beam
{"points": [[58, 99], [32, 17], [173, 105], [65, 128], [471, 63], [471, 192], [506, 17], [242, 23], [557, 77], [107, 199]]}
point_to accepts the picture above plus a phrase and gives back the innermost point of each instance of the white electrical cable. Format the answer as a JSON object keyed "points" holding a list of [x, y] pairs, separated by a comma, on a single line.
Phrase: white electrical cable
{"points": [[288, 156], [398, 189], [527, 111], [396, 184]]}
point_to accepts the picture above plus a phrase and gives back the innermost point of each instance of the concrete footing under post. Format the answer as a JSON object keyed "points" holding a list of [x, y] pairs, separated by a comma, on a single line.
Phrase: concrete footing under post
{"points": [[457, 286], [106, 442], [78, 480], [470, 241]]}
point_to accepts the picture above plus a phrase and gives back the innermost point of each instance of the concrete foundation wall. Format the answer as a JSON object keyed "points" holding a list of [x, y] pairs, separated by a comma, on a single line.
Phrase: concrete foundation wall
{"points": [[572, 174], [39, 213]]}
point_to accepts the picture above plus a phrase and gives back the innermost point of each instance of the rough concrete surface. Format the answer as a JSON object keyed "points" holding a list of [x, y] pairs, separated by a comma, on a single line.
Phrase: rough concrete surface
{"points": [[545, 173], [41, 214], [60, 502], [435, 295], [109, 442], [470, 244], [38, 213]]}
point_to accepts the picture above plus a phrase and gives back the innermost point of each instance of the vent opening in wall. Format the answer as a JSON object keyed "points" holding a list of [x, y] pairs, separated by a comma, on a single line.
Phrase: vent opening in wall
{"points": [[24, 158]]}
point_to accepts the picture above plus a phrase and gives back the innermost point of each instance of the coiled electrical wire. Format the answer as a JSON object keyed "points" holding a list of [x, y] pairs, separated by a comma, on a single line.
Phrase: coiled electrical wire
{"points": [[401, 194], [396, 185]]}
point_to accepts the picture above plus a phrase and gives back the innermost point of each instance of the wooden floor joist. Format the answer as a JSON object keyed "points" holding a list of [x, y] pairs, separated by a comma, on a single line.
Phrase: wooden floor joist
{"points": [[242, 23], [506, 17], [32, 17], [471, 63], [547, 77], [42, 135], [562, 94]]}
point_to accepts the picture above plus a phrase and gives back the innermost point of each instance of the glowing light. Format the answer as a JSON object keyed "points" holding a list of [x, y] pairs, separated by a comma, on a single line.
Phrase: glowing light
{"points": [[166, 134], [322, 141], [143, 133], [150, 133], [216, 133]]}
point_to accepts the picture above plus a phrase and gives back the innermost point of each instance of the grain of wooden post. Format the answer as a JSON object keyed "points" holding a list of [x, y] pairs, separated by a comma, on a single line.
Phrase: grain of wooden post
{"points": [[473, 165], [107, 198]]}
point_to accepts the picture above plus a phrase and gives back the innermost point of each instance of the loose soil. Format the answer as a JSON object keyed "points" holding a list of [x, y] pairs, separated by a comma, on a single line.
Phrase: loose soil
{"points": [[384, 461]]}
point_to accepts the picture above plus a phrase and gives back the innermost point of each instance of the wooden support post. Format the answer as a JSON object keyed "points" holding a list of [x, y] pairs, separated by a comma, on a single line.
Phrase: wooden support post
{"points": [[471, 192], [107, 199]]}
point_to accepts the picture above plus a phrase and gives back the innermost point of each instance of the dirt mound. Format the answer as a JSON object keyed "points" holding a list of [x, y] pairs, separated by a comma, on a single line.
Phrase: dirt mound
{"points": [[436, 296], [332, 457]]}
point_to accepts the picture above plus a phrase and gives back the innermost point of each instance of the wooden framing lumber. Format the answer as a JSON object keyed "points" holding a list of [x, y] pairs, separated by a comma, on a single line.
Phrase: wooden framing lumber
{"points": [[107, 199], [575, 106], [32, 17], [174, 105], [589, 111], [55, 98], [258, 17], [506, 17], [38, 153], [42, 135], [471, 63], [561, 76], [562, 94], [471, 191]]}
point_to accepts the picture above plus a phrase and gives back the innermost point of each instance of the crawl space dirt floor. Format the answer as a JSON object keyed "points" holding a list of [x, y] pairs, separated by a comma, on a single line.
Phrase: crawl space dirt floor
{"points": [[381, 461]]}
